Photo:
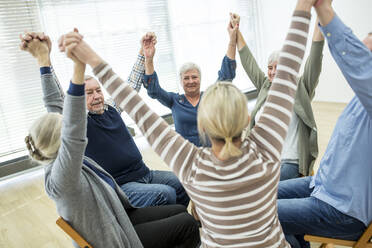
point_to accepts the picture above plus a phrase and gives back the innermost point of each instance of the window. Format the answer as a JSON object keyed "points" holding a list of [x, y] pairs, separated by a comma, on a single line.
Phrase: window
{"points": [[186, 31]]}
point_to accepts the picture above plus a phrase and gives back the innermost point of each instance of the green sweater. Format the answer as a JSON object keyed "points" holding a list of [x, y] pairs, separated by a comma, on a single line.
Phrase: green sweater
{"points": [[307, 133]]}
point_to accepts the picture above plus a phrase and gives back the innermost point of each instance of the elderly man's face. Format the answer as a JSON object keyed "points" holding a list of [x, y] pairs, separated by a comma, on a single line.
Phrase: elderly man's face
{"points": [[191, 82], [368, 42], [271, 70], [94, 96]]}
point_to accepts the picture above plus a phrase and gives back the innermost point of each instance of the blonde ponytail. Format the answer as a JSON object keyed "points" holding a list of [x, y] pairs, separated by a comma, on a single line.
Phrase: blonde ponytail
{"points": [[222, 116]]}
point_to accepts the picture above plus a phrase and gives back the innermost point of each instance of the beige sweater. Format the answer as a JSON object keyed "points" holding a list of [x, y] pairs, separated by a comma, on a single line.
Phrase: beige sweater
{"points": [[235, 199]]}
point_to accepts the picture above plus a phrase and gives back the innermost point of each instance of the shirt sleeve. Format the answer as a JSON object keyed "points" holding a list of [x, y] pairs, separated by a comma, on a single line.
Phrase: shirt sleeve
{"points": [[53, 96], [66, 169], [313, 67], [353, 58], [228, 69], [155, 91], [136, 75], [255, 74]]}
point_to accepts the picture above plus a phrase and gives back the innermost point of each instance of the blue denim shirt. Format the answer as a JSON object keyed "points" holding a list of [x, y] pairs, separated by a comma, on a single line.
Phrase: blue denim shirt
{"points": [[344, 179], [183, 112]]}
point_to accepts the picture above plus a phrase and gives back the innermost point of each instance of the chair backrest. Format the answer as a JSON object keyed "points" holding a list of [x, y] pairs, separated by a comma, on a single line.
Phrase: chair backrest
{"points": [[72, 233]]}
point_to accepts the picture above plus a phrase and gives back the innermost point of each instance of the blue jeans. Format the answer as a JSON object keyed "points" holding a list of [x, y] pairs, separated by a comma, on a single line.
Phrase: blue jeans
{"points": [[288, 171], [300, 214], [156, 188]]}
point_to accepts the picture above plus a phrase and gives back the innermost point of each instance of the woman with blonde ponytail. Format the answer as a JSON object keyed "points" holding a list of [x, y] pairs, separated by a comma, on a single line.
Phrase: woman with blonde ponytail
{"points": [[222, 116], [234, 183]]}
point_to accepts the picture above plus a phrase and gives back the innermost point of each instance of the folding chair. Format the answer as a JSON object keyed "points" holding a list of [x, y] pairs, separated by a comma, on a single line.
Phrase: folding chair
{"points": [[72, 233], [365, 241]]}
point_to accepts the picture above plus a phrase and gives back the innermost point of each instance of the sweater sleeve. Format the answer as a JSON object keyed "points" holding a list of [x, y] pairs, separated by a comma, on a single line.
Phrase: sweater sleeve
{"points": [[177, 152], [271, 129], [52, 91], [313, 67], [255, 74], [66, 169]]}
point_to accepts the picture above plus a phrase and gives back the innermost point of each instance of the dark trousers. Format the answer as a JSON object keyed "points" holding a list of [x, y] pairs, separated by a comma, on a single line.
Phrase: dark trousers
{"points": [[165, 226]]}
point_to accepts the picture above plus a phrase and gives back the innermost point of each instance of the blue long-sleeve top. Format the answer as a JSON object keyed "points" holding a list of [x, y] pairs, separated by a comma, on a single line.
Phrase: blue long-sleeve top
{"points": [[344, 178], [183, 112]]}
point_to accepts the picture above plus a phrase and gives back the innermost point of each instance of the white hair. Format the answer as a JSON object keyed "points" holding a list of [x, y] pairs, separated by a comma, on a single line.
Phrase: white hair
{"points": [[274, 57], [44, 138], [188, 67]]}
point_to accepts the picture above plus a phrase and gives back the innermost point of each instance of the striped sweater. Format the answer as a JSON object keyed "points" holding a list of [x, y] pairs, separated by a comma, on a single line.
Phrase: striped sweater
{"points": [[236, 198]]}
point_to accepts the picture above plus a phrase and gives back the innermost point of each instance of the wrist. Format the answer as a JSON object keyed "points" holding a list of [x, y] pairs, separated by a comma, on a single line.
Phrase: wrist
{"points": [[94, 61], [304, 5], [79, 71], [43, 60], [149, 59], [232, 43]]}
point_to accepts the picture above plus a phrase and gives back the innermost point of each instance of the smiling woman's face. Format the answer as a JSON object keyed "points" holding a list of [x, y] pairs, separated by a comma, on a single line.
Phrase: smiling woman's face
{"points": [[191, 82]]}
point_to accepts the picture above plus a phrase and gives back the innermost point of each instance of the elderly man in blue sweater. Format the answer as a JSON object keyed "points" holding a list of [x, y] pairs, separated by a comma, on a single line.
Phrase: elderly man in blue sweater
{"points": [[110, 144]]}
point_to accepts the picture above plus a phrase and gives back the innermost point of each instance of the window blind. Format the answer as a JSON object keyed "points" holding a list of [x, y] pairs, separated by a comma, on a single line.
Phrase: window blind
{"points": [[187, 31], [20, 101]]}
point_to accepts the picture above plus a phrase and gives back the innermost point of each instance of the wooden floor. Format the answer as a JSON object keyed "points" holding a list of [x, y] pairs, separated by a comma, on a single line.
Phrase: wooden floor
{"points": [[28, 216]]}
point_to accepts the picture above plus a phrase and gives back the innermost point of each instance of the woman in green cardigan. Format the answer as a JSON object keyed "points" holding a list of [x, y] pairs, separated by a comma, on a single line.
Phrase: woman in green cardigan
{"points": [[301, 146]]}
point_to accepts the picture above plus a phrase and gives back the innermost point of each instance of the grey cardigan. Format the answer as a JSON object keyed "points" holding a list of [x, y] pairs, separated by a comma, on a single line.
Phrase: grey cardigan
{"points": [[92, 207]]}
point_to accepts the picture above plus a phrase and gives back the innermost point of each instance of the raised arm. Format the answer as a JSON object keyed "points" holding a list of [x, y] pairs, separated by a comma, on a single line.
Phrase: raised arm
{"points": [[173, 149], [66, 169], [150, 79], [350, 54], [39, 46], [255, 74], [313, 65], [271, 129], [136, 75], [228, 66]]}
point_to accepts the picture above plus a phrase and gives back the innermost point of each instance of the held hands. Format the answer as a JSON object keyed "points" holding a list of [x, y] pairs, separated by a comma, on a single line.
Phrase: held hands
{"points": [[148, 42], [77, 49], [233, 27], [38, 45]]}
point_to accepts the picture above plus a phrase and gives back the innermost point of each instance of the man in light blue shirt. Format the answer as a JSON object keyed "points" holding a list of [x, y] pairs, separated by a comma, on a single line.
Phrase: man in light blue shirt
{"points": [[337, 202]]}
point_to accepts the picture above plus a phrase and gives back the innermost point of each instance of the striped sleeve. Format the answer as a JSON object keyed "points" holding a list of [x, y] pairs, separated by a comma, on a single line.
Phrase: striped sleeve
{"points": [[177, 152], [271, 129]]}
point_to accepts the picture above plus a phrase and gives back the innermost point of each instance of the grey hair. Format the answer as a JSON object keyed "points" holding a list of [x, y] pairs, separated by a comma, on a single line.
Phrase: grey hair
{"points": [[370, 33], [44, 138], [88, 77], [274, 57], [188, 67]]}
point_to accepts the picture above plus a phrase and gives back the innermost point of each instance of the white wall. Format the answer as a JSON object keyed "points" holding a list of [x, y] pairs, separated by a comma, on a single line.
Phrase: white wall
{"points": [[275, 16]]}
